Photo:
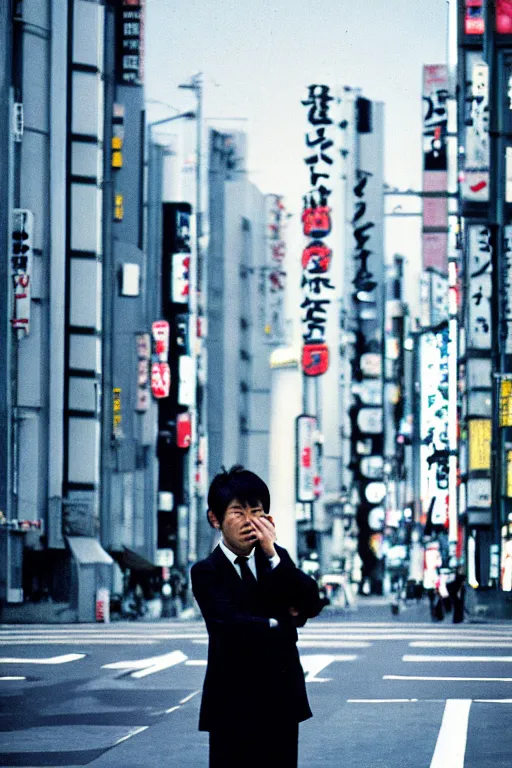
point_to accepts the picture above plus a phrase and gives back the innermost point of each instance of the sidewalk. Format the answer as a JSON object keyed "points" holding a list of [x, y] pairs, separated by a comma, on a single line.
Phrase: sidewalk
{"points": [[378, 609]]}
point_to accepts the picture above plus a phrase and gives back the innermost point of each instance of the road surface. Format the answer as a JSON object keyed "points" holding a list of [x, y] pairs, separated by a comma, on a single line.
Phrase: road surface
{"points": [[386, 692]]}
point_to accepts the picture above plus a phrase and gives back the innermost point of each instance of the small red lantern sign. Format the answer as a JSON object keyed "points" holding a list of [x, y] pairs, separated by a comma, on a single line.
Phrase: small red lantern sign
{"points": [[316, 222], [315, 359], [183, 430], [160, 331], [316, 258], [160, 380]]}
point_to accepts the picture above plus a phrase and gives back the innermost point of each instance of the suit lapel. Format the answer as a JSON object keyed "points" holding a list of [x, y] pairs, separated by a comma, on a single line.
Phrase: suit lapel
{"points": [[222, 563]]}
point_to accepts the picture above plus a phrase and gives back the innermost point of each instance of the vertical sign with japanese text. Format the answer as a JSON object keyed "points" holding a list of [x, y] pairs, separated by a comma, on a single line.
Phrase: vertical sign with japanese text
{"points": [[306, 459], [475, 178], [21, 268], [435, 167], [130, 42], [434, 449], [275, 277], [143, 359], [479, 297], [316, 227]]}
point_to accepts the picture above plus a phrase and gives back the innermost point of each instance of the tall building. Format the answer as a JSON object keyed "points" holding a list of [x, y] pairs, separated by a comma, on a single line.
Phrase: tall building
{"points": [[238, 373], [79, 447], [365, 305], [484, 279]]}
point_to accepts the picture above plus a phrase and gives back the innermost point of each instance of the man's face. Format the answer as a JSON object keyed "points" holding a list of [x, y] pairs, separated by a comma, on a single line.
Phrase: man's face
{"points": [[237, 531]]}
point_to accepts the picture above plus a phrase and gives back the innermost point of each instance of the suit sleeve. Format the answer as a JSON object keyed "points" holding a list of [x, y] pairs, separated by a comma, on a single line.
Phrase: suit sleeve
{"points": [[219, 608], [290, 587]]}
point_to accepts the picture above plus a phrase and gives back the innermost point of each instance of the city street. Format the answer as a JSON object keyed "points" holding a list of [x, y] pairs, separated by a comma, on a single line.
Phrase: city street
{"points": [[385, 691]]}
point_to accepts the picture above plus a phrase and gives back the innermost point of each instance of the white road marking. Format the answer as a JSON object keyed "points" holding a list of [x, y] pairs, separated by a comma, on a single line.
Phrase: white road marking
{"points": [[190, 696], [330, 644], [171, 709], [12, 677], [451, 741], [107, 635], [483, 659], [84, 641], [132, 733], [196, 662], [394, 701], [312, 665], [343, 637], [149, 666], [379, 701], [450, 679], [321, 643], [65, 659], [461, 644]]}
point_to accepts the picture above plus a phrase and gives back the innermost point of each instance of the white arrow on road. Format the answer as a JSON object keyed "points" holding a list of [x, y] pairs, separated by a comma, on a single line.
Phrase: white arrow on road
{"points": [[64, 659], [314, 664], [149, 666]]}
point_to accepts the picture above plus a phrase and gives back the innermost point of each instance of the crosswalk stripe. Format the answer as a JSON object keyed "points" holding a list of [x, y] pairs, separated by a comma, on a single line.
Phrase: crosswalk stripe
{"points": [[75, 641], [53, 660], [380, 701], [449, 679], [451, 741], [461, 644], [420, 659]]}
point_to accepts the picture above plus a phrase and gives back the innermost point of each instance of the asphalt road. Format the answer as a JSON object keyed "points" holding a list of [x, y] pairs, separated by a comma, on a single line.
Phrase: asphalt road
{"points": [[386, 692]]}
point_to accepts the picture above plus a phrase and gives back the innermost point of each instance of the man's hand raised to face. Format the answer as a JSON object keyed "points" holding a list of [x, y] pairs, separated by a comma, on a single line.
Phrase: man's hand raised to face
{"points": [[266, 534]]}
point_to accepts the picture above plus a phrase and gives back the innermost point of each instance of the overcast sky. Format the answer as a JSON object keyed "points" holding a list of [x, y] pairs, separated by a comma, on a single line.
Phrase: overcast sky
{"points": [[258, 57]]}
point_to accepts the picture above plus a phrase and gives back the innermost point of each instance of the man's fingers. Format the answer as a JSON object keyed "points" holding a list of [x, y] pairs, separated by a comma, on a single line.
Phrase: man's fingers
{"points": [[264, 523]]}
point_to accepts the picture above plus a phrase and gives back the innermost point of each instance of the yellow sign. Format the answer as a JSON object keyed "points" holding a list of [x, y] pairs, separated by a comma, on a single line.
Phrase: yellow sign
{"points": [[479, 444], [509, 474], [116, 409], [506, 403], [117, 159], [118, 207]]}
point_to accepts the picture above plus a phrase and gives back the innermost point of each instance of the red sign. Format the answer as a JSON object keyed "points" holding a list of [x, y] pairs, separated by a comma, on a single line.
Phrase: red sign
{"points": [[160, 332], [180, 278], [317, 221], [504, 17], [474, 18], [474, 22], [316, 258], [160, 379], [315, 359], [183, 430]]}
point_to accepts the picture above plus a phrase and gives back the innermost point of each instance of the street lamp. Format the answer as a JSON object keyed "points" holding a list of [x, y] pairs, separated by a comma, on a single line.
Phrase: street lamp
{"points": [[180, 116], [153, 228], [198, 529]]}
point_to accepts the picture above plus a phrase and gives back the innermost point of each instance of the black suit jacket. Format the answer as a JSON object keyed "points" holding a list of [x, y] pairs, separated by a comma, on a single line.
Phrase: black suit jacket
{"points": [[253, 670]]}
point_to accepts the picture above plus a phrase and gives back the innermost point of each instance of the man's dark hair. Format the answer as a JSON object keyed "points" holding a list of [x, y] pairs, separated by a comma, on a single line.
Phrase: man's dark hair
{"points": [[237, 483]]}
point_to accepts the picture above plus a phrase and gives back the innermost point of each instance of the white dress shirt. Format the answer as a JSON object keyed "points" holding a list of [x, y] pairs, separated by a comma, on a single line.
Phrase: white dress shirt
{"points": [[251, 562]]}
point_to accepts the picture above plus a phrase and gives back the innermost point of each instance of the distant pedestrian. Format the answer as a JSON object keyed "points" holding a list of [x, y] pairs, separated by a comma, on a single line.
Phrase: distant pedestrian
{"points": [[253, 598], [456, 589]]}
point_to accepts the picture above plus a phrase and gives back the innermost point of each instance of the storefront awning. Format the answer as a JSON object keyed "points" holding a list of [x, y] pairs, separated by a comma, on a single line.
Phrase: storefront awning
{"points": [[88, 551], [128, 558]]}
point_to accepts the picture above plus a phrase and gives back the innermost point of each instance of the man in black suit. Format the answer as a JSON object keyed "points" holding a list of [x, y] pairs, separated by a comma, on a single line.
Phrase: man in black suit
{"points": [[253, 598]]}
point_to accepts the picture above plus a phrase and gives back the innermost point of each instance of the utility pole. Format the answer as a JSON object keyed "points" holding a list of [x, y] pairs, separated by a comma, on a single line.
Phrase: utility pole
{"points": [[496, 228], [198, 531], [5, 299]]}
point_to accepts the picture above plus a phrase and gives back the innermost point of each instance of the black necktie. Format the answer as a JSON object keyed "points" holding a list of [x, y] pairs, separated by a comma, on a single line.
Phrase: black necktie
{"points": [[247, 575]]}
